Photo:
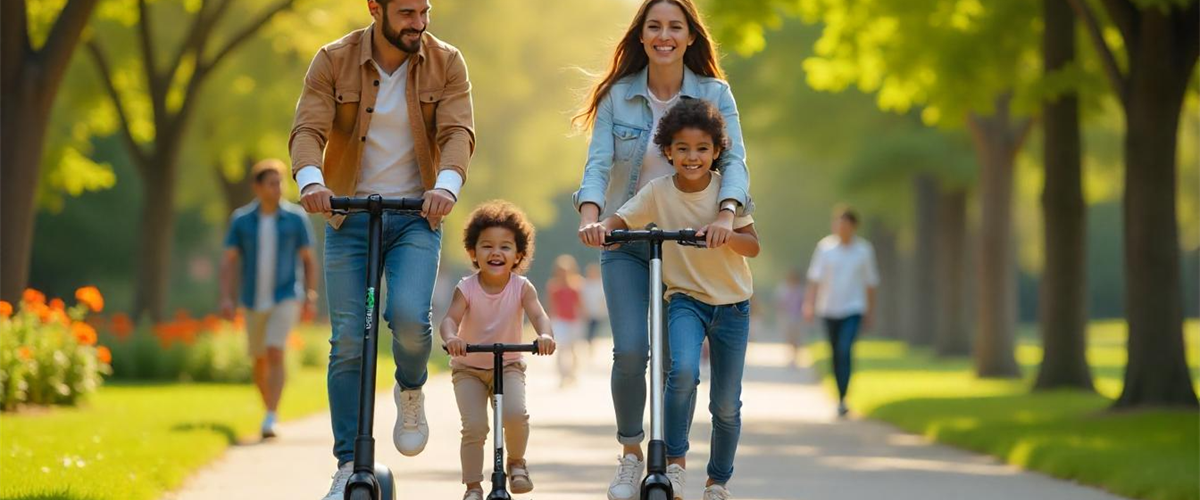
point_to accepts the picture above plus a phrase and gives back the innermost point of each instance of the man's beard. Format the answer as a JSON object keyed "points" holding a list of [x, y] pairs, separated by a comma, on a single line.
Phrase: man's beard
{"points": [[397, 39]]}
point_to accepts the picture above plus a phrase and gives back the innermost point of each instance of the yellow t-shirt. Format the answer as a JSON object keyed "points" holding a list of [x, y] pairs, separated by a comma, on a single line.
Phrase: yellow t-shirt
{"points": [[712, 276]]}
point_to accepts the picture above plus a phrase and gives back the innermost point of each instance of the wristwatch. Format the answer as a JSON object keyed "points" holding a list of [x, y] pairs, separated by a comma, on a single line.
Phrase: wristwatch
{"points": [[730, 205]]}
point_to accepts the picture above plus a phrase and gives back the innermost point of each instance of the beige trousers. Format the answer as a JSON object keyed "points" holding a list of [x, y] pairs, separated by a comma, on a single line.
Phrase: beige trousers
{"points": [[473, 390]]}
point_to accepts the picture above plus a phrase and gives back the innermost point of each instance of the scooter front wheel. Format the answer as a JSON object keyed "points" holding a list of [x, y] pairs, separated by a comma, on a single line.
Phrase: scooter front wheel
{"points": [[364, 494], [656, 494]]}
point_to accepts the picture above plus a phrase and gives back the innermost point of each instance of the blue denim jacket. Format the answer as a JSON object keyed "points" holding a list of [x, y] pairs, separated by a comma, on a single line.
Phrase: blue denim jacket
{"points": [[294, 233], [621, 135]]}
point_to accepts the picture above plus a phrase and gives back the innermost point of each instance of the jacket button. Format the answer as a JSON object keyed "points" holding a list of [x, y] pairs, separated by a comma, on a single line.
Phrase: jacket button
{"points": [[364, 138], [376, 83], [339, 97], [370, 110]]}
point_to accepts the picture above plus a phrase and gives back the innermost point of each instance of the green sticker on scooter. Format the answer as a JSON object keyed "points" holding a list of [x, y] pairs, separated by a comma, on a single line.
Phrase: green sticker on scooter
{"points": [[370, 306]]}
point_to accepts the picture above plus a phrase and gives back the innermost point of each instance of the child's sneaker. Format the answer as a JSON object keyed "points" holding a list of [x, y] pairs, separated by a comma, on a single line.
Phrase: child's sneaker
{"points": [[518, 477], [717, 492], [473, 495], [678, 476], [625, 485]]}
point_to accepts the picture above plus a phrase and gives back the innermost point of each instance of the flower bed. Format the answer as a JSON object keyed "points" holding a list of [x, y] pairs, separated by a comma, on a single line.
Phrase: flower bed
{"points": [[48, 352]]}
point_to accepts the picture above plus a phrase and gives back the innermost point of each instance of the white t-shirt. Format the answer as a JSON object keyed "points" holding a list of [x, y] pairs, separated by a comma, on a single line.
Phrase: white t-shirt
{"points": [[843, 273], [268, 250], [389, 161], [654, 164]]}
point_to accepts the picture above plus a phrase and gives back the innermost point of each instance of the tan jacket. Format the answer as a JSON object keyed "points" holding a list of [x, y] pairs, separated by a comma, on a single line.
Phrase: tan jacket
{"points": [[334, 111]]}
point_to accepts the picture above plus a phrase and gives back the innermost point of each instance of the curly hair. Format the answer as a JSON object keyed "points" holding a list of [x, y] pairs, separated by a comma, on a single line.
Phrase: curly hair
{"points": [[500, 213], [698, 114]]}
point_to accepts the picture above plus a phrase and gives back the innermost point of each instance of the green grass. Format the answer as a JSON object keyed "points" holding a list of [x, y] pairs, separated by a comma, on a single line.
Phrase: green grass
{"points": [[1153, 455], [136, 441]]}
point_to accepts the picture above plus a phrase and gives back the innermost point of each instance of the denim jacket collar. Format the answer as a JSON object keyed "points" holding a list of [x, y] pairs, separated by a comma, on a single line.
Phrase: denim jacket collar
{"points": [[639, 84]]}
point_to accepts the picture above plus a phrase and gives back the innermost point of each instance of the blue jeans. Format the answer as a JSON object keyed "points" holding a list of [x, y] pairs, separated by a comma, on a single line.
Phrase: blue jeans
{"points": [[625, 272], [727, 328], [411, 251], [842, 332]]}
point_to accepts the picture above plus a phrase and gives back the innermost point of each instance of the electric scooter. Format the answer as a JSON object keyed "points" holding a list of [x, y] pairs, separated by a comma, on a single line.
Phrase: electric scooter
{"points": [[371, 480], [656, 486], [499, 477]]}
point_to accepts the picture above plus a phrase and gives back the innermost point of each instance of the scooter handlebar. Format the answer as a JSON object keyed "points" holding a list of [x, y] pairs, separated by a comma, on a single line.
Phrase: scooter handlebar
{"points": [[686, 237], [501, 348], [375, 202]]}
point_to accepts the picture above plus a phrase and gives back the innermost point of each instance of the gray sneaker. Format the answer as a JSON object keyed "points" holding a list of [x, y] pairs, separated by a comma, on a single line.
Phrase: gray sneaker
{"points": [[337, 491], [678, 477]]}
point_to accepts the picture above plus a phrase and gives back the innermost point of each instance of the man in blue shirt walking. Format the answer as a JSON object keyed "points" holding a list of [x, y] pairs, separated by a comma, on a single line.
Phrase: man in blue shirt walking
{"points": [[271, 238]]}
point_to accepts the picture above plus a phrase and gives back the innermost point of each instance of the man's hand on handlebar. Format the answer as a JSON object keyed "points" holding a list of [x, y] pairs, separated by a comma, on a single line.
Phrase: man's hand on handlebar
{"points": [[315, 199], [438, 203]]}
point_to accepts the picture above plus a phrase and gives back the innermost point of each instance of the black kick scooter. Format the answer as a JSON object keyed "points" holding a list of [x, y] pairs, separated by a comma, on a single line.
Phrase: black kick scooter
{"points": [[656, 486], [499, 478], [371, 480]]}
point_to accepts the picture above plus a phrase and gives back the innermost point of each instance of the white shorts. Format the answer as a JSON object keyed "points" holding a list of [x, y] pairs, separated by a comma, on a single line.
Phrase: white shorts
{"points": [[270, 327]]}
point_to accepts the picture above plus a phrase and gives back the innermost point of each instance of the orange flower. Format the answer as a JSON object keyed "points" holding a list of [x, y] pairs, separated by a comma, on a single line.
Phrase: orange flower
{"points": [[90, 296], [6, 309], [57, 304], [57, 316], [84, 333], [211, 323], [25, 353], [104, 355], [32, 296], [122, 326]]}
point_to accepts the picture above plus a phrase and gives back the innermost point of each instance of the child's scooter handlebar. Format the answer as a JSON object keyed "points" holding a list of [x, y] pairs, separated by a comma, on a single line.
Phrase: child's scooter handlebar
{"points": [[501, 348], [686, 237]]}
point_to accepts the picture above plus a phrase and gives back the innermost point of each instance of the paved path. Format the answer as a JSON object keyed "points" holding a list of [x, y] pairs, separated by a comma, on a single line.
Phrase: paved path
{"points": [[792, 448]]}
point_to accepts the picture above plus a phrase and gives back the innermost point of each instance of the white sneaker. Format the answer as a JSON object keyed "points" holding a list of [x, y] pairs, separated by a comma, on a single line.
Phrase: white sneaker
{"points": [[625, 485], [717, 492], [338, 490], [412, 430], [678, 477], [268, 427], [473, 495], [842, 410]]}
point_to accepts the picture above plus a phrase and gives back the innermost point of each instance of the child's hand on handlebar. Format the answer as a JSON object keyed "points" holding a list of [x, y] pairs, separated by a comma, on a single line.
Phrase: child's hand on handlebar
{"points": [[457, 347], [716, 234], [546, 345], [593, 234]]}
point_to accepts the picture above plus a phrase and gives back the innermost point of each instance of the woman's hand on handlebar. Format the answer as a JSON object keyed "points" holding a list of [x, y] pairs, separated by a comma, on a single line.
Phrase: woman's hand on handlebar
{"points": [[457, 347], [593, 234], [315, 199]]}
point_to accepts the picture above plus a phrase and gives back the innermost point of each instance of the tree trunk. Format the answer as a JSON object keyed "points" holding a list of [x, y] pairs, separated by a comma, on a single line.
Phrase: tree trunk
{"points": [[1062, 301], [239, 192], [1161, 63], [923, 303], [29, 82], [951, 336], [997, 142], [888, 320], [25, 116], [158, 231]]}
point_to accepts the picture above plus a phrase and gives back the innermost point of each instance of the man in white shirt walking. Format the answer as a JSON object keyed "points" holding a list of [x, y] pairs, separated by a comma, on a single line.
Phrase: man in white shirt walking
{"points": [[841, 290]]}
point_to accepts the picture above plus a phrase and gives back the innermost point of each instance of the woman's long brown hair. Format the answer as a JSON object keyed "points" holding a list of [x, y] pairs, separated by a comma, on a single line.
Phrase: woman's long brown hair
{"points": [[630, 57]]}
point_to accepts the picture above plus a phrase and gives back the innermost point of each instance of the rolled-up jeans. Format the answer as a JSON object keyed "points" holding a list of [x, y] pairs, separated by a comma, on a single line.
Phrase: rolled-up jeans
{"points": [[411, 251]]}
